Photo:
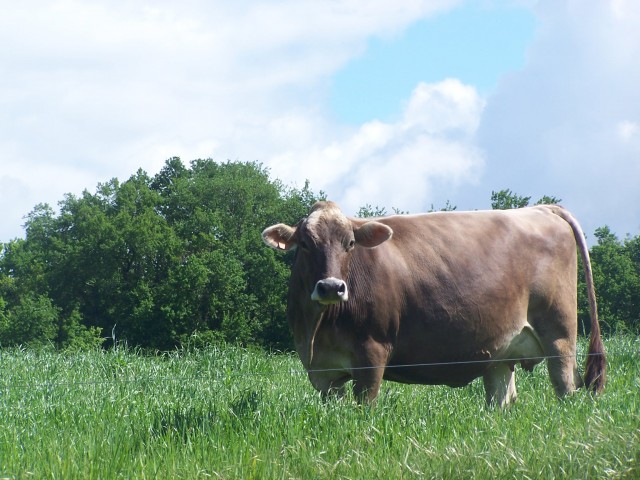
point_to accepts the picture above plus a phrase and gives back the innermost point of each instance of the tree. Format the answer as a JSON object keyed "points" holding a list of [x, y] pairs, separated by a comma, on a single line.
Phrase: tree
{"points": [[616, 272], [33, 322], [448, 207], [549, 200], [506, 199], [155, 260], [369, 211]]}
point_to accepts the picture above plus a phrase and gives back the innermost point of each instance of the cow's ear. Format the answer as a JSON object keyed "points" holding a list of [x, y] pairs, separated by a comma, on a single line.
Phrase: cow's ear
{"points": [[372, 234], [280, 237]]}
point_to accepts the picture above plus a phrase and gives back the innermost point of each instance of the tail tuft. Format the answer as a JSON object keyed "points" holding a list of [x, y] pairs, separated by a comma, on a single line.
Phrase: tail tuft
{"points": [[595, 374]]}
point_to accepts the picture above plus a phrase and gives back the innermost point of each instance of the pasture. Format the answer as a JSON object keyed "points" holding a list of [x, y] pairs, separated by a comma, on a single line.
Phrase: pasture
{"points": [[228, 412]]}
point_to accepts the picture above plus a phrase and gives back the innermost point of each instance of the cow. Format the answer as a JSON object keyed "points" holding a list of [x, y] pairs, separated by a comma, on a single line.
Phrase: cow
{"points": [[438, 298]]}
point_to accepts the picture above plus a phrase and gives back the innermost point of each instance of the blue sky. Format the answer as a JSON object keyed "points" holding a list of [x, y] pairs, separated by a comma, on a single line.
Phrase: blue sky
{"points": [[474, 43], [398, 104]]}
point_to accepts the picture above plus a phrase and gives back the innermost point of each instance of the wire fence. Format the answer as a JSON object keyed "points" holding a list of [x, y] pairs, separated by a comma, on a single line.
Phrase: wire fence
{"points": [[124, 378], [460, 362]]}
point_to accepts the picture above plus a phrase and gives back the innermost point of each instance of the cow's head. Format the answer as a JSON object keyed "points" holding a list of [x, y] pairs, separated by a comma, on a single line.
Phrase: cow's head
{"points": [[325, 240]]}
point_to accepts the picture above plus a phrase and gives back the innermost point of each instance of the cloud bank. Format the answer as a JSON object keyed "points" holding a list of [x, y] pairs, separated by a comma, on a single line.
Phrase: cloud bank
{"points": [[568, 123], [95, 90]]}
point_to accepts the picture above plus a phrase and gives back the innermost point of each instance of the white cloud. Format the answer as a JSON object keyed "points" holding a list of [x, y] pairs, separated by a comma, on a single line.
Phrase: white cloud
{"points": [[445, 106], [399, 164], [628, 130], [566, 124]]}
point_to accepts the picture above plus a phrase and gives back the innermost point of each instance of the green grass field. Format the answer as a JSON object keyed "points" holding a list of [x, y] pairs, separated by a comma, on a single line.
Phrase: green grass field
{"points": [[226, 412]]}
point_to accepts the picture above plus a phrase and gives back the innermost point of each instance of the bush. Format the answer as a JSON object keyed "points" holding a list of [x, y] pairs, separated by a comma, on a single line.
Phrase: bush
{"points": [[31, 323]]}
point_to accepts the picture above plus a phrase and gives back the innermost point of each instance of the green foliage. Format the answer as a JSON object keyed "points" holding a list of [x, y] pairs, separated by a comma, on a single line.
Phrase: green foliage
{"points": [[32, 322], [549, 200], [155, 259], [616, 273], [228, 412], [448, 207], [506, 199], [36, 323], [369, 211], [73, 336]]}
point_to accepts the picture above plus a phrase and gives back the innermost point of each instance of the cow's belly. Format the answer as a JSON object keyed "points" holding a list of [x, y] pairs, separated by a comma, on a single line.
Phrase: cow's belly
{"points": [[524, 348], [435, 373], [469, 362]]}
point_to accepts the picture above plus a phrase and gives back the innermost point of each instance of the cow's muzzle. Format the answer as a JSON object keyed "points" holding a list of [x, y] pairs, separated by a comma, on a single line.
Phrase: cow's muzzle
{"points": [[330, 290]]}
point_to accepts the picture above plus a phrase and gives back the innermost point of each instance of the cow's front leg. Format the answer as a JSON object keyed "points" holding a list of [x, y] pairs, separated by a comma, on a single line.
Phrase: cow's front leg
{"points": [[367, 372]]}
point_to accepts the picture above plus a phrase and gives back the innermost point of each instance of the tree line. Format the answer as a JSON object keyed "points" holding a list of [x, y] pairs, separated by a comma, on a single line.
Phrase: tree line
{"points": [[176, 259]]}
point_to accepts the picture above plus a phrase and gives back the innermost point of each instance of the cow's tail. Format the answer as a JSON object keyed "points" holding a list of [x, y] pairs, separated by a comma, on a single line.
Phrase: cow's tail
{"points": [[595, 373]]}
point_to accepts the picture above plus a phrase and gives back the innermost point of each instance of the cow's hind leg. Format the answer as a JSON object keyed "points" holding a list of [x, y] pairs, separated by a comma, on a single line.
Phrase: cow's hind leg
{"points": [[335, 389], [563, 367], [558, 333], [366, 384], [500, 385], [329, 386], [557, 328]]}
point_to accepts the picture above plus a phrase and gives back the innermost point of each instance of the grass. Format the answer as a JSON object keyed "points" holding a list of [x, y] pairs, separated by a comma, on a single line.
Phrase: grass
{"points": [[226, 412]]}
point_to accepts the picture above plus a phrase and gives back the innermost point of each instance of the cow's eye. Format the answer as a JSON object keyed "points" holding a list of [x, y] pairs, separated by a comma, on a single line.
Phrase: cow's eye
{"points": [[352, 244], [304, 246]]}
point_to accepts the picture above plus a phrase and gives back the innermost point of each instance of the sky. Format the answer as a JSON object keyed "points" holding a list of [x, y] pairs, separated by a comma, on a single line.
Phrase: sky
{"points": [[403, 105]]}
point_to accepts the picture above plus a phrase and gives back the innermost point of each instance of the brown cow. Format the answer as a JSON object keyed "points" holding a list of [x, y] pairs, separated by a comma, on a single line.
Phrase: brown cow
{"points": [[438, 298]]}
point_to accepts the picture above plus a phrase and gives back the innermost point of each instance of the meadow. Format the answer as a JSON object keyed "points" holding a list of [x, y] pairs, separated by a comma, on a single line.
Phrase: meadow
{"points": [[229, 412]]}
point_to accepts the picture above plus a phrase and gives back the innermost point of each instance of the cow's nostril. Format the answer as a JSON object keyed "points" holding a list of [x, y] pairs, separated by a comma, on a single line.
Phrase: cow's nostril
{"points": [[330, 290]]}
